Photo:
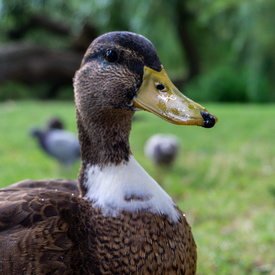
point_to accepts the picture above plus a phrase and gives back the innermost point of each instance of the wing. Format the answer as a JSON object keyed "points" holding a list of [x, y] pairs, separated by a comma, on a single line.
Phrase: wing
{"points": [[34, 218], [63, 145], [68, 186]]}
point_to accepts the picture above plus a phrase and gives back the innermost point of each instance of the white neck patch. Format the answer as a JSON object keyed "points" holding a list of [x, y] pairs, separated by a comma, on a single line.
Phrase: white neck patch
{"points": [[127, 187]]}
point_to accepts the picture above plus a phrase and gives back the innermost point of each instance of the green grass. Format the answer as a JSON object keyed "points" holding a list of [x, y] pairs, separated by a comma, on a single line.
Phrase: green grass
{"points": [[224, 178]]}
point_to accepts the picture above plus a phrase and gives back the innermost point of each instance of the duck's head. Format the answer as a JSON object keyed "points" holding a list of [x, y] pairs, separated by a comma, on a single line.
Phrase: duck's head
{"points": [[121, 72]]}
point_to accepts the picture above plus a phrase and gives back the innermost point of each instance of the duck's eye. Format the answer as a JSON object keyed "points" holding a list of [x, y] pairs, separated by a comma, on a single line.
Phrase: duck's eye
{"points": [[160, 87], [111, 55]]}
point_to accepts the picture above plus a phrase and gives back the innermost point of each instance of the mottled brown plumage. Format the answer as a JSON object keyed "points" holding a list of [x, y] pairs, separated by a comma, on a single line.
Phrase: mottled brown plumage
{"points": [[59, 227], [42, 222]]}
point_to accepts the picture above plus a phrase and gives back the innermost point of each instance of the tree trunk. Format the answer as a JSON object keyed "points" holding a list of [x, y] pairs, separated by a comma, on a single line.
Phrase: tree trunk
{"points": [[184, 23], [36, 64], [32, 64]]}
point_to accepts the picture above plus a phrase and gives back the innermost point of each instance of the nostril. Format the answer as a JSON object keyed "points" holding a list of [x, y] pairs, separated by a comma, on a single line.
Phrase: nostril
{"points": [[160, 87], [209, 120]]}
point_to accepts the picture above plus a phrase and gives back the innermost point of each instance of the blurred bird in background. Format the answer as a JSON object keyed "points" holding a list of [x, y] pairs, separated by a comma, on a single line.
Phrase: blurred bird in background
{"points": [[58, 143], [162, 149]]}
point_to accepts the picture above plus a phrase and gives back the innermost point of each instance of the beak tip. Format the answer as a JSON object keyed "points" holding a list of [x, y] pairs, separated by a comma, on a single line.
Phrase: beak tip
{"points": [[209, 120]]}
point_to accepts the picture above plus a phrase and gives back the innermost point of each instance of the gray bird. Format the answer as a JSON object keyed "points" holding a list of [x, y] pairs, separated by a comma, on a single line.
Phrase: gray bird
{"points": [[162, 149], [57, 142]]}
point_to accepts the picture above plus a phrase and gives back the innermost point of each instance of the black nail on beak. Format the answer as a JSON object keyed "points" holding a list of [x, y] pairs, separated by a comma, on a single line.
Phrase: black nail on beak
{"points": [[209, 120]]}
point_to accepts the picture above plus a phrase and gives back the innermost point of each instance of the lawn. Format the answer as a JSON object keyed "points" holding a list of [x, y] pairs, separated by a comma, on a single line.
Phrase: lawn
{"points": [[224, 178]]}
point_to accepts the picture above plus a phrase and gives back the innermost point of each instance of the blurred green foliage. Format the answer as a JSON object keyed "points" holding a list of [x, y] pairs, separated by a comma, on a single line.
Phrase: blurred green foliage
{"points": [[11, 90], [226, 84], [19, 91], [237, 35], [222, 84]]}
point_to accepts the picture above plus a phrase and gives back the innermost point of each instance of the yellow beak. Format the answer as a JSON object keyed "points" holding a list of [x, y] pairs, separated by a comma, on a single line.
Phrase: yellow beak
{"points": [[159, 96]]}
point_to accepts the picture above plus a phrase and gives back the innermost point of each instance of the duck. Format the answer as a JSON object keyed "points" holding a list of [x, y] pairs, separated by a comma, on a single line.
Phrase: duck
{"points": [[55, 123], [162, 149], [58, 143], [115, 218]]}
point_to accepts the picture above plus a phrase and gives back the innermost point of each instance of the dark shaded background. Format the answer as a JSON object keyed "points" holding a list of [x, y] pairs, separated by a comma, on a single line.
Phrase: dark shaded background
{"points": [[215, 50]]}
